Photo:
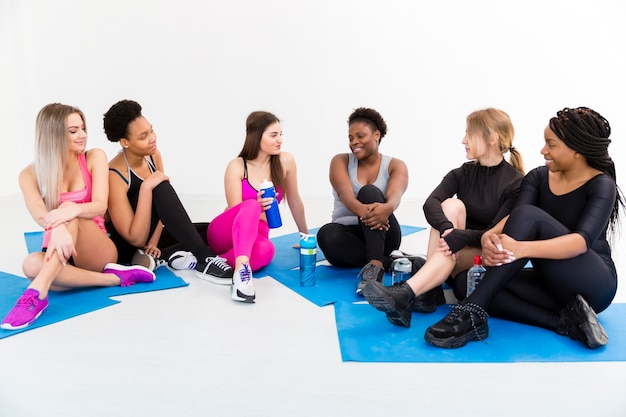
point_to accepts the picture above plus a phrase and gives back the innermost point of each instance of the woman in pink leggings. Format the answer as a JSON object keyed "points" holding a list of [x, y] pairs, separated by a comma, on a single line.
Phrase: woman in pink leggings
{"points": [[241, 234]]}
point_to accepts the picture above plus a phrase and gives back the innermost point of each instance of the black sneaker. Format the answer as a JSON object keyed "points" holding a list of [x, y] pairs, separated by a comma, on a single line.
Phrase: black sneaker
{"points": [[428, 302], [215, 269], [395, 301], [465, 323], [369, 273], [578, 321]]}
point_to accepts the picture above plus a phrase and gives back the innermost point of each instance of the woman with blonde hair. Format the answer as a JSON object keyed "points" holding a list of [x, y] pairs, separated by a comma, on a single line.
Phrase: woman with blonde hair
{"points": [[468, 201], [65, 191]]}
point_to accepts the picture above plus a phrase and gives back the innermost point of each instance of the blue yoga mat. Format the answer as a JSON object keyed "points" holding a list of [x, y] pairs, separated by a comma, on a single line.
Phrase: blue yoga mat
{"points": [[365, 335], [332, 284], [67, 304]]}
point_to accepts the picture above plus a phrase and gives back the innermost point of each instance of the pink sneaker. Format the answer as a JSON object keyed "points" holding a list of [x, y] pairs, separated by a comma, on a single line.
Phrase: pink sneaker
{"points": [[27, 309], [129, 275]]}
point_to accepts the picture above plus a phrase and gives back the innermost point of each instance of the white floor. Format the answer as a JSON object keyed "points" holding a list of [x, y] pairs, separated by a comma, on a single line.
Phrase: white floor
{"points": [[194, 352]]}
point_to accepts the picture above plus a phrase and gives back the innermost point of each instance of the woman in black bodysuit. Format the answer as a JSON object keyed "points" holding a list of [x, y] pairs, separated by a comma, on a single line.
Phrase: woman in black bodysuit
{"points": [[559, 223]]}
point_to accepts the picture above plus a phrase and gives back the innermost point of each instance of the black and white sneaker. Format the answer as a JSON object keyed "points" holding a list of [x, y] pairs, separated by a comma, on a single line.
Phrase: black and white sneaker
{"points": [[215, 270], [182, 260]]}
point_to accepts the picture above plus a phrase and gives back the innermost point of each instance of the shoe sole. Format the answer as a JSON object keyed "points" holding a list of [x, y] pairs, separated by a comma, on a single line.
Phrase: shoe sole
{"points": [[142, 259], [241, 297], [595, 334], [214, 279], [480, 333], [7, 326], [382, 302]]}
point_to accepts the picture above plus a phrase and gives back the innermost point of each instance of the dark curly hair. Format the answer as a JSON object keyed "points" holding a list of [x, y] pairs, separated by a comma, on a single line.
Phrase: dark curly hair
{"points": [[371, 117], [118, 117], [587, 132]]}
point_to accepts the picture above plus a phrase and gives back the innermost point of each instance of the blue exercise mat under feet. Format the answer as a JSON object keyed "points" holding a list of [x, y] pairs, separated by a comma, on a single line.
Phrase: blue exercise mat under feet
{"points": [[67, 304], [365, 335], [332, 284]]}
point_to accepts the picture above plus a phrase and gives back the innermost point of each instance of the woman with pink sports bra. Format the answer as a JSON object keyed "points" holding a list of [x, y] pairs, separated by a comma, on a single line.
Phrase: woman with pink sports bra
{"points": [[241, 234], [66, 190]]}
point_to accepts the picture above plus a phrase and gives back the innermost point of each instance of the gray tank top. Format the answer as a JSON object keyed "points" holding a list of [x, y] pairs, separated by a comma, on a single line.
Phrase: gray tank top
{"points": [[340, 213]]}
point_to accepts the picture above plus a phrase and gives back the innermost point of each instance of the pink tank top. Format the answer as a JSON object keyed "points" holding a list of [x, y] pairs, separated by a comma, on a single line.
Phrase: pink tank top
{"points": [[79, 196], [248, 192]]}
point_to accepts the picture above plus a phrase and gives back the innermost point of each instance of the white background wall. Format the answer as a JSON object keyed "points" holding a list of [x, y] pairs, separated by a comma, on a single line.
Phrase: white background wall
{"points": [[199, 67]]}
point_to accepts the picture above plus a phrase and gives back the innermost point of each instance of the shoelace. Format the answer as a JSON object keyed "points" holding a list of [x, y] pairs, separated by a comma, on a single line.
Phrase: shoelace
{"points": [[245, 274], [219, 262], [473, 310], [28, 301]]}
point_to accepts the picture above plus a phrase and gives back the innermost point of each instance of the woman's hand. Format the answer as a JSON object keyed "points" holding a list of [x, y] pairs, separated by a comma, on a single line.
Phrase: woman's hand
{"points": [[154, 179], [60, 241], [496, 249], [152, 250], [64, 213], [376, 216], [443, 245], [265, 202]]}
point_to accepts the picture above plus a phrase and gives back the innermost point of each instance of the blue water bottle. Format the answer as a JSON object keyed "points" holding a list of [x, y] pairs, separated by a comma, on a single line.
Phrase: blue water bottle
{"points": [[308, 258], [273, 213]]}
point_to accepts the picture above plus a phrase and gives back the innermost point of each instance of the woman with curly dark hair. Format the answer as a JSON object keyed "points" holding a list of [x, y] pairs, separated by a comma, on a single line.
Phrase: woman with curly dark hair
{"points": [[560, 223], [147, 220], [367, 189]]}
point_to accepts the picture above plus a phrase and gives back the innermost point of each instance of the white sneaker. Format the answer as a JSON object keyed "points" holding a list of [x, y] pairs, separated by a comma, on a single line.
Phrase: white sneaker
{"points": [[182, 260], [243, 288], [143, 259]]}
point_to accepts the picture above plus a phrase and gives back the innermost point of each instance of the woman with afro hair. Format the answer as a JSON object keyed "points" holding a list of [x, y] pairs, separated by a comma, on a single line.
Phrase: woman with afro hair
{"points": [[367, 189]]}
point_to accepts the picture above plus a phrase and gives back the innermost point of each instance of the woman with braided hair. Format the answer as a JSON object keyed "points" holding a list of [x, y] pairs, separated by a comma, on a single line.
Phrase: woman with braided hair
{"points": [[559, 223]]}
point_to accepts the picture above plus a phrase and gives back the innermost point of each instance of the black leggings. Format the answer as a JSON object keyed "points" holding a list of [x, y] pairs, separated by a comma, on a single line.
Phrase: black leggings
{"points": [[352, 246], [535, 296], [179, 233]]}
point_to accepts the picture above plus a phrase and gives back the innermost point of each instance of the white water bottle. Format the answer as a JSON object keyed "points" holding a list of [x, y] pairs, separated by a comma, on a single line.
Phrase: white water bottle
{"points": [[475, 275]]}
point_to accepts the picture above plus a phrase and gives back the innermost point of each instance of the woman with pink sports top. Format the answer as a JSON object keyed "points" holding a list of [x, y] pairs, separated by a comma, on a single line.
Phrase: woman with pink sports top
{"points": [[66, 190], [241, 234]]}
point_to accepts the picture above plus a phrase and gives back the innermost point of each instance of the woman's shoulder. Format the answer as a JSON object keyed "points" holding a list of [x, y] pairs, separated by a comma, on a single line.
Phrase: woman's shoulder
{"points": [[95, 156]]}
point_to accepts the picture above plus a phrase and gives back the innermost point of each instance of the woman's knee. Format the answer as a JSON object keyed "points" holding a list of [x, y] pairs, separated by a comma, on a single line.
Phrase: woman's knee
{"points": [[370, 194], [251, 206], [32, 265], [455, 209]]}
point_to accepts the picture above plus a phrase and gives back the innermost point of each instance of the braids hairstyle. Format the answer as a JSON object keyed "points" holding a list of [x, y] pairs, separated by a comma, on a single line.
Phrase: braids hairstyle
{"points": [[587, 132], [118, 117], [52, 149], [492, 123], [370, 117], [257, 123]]}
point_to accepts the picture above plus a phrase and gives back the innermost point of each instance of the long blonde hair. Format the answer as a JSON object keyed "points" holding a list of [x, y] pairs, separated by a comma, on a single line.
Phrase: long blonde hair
{"points": [[487, 123], [51, 150]]}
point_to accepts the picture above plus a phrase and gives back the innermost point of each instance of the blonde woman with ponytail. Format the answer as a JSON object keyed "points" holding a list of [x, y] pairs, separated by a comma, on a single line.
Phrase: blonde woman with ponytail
{"points": [[65, 190], [469, 200]]}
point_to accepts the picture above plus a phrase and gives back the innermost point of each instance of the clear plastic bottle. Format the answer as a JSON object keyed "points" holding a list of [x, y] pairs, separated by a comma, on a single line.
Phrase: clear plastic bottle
{"points": [[273, 214], [400, 270], [308, 258], [475, 275]]}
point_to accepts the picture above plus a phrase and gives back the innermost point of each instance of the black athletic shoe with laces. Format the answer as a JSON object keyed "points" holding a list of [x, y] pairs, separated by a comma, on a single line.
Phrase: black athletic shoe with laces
{"points": [[578, 321], [215, 269], [396, 301], [465, 323]]}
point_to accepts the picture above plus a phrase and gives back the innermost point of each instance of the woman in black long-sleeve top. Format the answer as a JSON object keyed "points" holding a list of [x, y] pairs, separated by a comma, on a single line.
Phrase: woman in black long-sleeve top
{"points": [[485, 190], [560, 224]]}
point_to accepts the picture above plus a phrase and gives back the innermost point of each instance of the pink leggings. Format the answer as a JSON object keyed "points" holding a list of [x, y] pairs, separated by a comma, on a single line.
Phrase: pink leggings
{"points": [[240, 231]]}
